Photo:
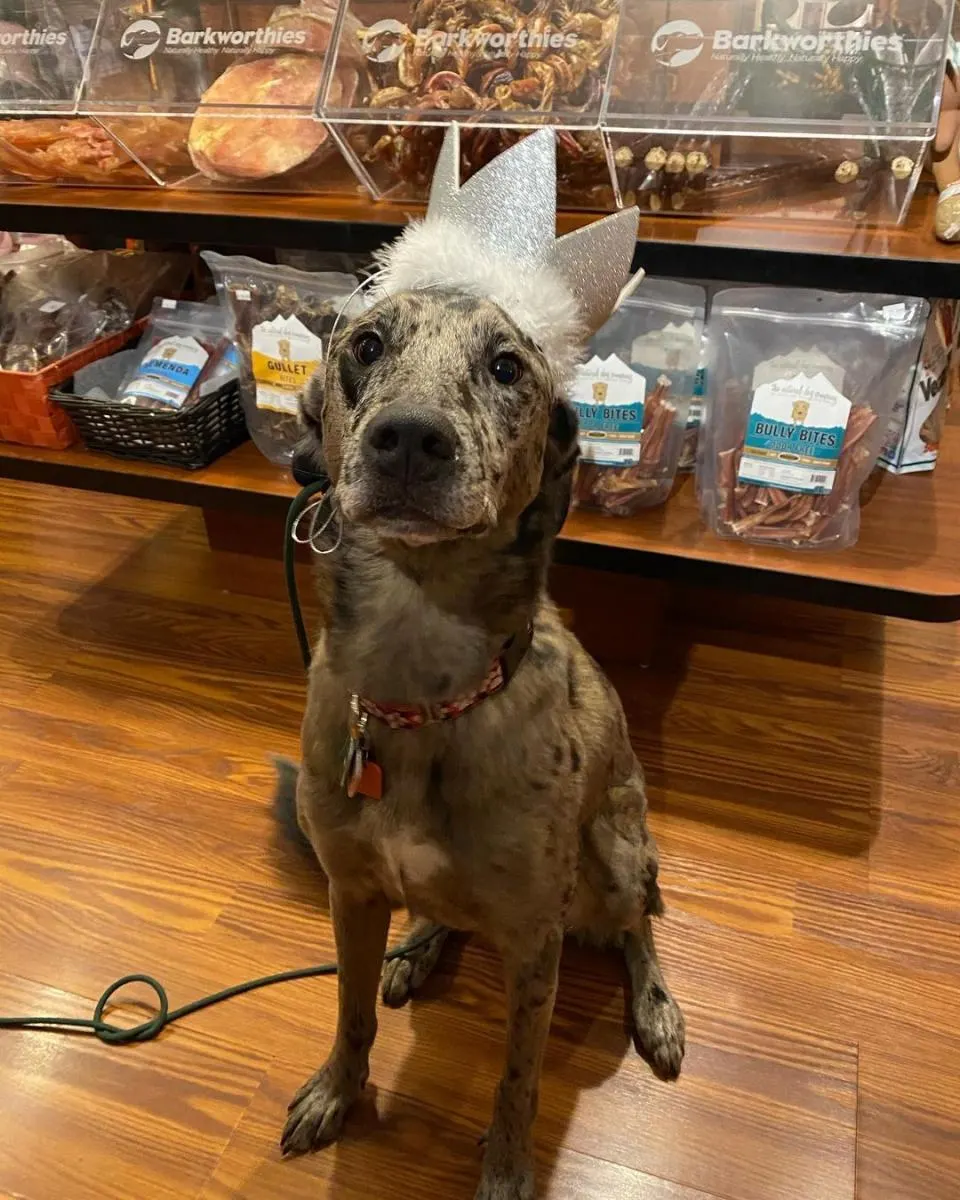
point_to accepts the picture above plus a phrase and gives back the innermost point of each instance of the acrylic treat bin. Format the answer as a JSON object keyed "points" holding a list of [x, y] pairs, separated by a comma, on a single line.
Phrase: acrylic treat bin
{"points": [[824, 111], [506, 72], [223, 97], [42, 140]]}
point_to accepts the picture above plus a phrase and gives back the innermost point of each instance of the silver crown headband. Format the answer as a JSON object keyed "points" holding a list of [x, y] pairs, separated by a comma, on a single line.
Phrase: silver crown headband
{"points": [[495, 237]]}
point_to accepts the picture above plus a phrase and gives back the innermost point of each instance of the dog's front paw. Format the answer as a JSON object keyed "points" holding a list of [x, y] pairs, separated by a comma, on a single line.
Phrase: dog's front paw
{"points": [[496, 1185], [659, 1031], [316, 1113]]}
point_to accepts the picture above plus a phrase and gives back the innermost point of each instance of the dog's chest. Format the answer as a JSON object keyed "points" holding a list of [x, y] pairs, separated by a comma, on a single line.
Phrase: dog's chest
{"points": [[425, 875]]}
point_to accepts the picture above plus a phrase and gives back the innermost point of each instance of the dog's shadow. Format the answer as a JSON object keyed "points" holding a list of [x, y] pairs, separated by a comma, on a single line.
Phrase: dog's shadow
{"points": [[439, 1100]]}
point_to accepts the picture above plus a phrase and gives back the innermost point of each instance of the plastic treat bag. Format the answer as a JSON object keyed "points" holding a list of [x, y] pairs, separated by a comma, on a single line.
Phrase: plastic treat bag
{"points": [[800, 387], [179, 349], [632, 397], [60, 304], [691, 431], [913, 435], [283, 318]]}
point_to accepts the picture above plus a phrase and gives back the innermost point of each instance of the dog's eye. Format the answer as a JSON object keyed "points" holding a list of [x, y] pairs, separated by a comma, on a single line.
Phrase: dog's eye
{"points": [[367, 349], [506, 369]]}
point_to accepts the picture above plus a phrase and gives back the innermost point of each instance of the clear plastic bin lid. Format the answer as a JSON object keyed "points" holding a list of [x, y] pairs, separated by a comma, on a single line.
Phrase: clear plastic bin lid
{"points": [[864, 68], [230, 57], [491, 62], [43, 48]]}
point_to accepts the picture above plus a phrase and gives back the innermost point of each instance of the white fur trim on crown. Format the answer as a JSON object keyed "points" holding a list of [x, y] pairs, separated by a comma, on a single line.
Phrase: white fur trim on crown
{"points": [[436, 254]]}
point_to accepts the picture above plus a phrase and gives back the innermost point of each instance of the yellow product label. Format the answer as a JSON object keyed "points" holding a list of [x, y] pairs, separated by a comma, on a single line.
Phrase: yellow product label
{"points": [[283, 356]]}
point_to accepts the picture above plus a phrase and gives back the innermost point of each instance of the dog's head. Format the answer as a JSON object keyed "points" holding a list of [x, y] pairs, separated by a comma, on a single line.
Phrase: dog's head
{"points": [[438, 417]]}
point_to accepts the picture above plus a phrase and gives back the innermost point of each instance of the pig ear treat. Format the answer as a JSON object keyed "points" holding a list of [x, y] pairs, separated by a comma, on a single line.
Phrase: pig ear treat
{"points": [[494, 237]]}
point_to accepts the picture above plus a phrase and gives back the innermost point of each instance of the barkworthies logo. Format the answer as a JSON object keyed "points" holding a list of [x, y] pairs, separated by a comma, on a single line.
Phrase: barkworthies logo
{"points": [[145, 37], [140, 39], [677, 43]]}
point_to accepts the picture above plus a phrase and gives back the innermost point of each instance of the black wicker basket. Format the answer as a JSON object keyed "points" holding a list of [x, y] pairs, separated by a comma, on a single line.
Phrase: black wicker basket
{"points": [[191, 437]]}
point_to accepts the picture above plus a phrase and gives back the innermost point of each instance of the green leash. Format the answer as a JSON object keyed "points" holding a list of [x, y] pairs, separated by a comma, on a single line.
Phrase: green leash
{"points": [[146, 1031]]}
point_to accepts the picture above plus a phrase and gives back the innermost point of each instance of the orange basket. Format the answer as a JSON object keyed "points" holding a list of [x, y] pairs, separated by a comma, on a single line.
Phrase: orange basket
{"points": [[29, 416]]}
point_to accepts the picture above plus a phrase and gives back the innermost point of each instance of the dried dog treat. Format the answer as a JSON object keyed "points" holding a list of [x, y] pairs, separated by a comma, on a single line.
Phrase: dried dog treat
{"points": [[633, 395], [57, 305], [473, 60], [283, 320], [64, 148], [279, 133], [800, 389]]}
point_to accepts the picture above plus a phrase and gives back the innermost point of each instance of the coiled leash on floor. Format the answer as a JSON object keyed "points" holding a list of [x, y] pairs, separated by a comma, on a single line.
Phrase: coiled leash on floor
{"points": [[116, 1035]]}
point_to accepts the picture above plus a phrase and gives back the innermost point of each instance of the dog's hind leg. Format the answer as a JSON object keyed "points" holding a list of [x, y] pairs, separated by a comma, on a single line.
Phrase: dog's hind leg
{"points": [[404, 975], [658, 1025], [318, 1109]]}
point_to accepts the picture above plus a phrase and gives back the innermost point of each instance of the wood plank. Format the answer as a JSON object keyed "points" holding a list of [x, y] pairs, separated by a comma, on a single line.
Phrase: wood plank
{"points": [[750, 249]]}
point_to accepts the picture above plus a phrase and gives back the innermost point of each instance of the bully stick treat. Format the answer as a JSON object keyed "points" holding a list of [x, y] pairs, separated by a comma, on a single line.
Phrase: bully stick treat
{"points": [[792, 518], [633, 396], [623, 490], [799, 392], [476, 59]]}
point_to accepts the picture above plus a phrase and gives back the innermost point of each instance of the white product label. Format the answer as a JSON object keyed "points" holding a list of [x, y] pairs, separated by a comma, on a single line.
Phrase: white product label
{"points": [[169, 371], [668, 349], [284, 354], [795, 433], [609, 399]]}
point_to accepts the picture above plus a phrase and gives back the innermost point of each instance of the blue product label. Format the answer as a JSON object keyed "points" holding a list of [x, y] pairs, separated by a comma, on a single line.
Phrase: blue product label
{"points": [[169, 371], [609, 399], [795, 433]]}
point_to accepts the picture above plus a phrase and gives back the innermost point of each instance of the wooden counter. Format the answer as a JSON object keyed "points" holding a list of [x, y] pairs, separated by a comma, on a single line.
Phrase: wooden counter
{"points": [[906, 562]]}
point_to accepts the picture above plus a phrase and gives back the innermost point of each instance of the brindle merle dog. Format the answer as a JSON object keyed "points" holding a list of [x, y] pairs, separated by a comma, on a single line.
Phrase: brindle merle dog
{"points": [[451, 450]]}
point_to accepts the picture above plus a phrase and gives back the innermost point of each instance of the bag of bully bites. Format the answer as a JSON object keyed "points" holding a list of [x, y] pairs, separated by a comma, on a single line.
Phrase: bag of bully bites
{"points": [[633, 395], [913, 435], [800, 387]]}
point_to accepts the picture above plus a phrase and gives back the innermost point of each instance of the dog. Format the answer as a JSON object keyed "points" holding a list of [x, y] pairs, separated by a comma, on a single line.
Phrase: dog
{"points": [[522, 815]]}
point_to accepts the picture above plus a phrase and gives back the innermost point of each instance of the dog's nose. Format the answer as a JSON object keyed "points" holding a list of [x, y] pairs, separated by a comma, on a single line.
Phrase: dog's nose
{"points": [[412, 446]]}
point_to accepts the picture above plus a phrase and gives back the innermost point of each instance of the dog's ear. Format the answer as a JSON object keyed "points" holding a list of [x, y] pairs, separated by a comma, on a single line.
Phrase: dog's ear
{"points": [[308, 463], [563, 442], [311, 403], [544, 517]]}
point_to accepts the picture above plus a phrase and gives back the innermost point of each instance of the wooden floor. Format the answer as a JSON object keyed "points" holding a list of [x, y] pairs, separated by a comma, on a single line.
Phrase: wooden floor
{"points": [[805, 777]]}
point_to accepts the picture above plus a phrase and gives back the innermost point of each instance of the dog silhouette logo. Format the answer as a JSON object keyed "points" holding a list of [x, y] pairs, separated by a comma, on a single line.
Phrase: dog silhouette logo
{"points": [[799, 412], [140, 39], [677, 43]]}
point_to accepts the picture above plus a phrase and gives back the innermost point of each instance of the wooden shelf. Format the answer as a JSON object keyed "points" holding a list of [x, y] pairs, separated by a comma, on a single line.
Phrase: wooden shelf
{"points": [[906, 563], [799, 253]]}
